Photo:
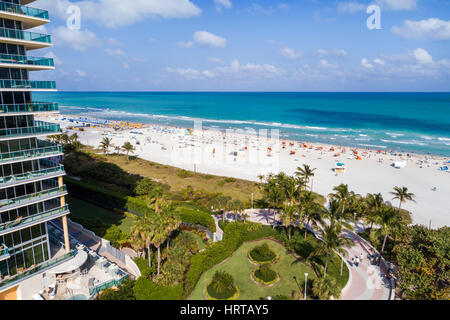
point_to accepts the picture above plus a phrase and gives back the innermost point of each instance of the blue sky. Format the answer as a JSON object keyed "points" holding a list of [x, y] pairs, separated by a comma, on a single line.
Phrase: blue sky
{"points": [[249, 45]]}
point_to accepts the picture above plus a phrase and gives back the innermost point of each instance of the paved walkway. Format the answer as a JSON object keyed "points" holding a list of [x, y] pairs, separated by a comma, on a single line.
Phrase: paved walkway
{"points": [[366, 282]]}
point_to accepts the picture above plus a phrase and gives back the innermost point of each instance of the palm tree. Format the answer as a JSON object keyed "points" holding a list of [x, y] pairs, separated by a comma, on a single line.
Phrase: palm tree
{"points": [[117, 149], [158, 235], [332, 243], [374, 203], [344, 197], [325, 288], [388, 219], [141, 231], [274, 195], [172, 224], [128, 147], [261, 178], [305, 173], [312, 211], [402, 194], [237, 208], [289, 216], [105, 144], [73, 138]]}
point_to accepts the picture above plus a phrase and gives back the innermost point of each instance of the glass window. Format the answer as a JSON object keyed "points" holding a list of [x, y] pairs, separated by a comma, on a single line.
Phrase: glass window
{"points": [[26, 234]]}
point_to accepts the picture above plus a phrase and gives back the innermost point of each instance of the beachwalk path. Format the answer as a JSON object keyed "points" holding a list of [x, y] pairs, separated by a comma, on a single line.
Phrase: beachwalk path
{"points": [[366, 282]]}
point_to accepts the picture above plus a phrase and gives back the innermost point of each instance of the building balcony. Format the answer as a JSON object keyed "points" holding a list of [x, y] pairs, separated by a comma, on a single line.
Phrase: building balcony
{"points": [[4, 252], [22, 223], [31, 40], [24, 62], [30, 17], [40, 129], [29, 108], [55, 170], [27, 85], [44, 150], [10, 281], [10, 204]]}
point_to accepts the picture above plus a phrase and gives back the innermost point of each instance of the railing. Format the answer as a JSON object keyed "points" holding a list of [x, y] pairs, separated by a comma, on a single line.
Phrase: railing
{"points": [[15, 59], [39, 128], [25, 35], [19, 9], [27, 154], [31, 175], [29, 107], [37, 269], [27, 84], [32, 197], [106, 285], [36, 217]]}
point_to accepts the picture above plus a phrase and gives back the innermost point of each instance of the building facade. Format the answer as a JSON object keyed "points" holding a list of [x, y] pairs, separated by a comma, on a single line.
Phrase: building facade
{"points": [[32, 192]]}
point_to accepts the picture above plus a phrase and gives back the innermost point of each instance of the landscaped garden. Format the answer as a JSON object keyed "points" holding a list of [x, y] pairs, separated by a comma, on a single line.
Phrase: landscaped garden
{"points": [[241, 268]]}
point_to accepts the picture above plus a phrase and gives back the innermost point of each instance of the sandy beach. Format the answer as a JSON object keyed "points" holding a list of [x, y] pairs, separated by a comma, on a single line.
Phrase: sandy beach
{"points": [[247, 155]]}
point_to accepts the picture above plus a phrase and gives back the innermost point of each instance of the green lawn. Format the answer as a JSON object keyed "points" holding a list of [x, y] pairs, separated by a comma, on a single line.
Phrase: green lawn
{"points": [[240, 268], [86, 210]]}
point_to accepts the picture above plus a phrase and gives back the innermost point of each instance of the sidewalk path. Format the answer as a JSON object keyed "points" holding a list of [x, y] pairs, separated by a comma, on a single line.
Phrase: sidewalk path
{"points": [[366, 282]]}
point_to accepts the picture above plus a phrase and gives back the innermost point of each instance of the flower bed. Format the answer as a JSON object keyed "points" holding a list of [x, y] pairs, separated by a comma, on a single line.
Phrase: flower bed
{"points": [[262, 255]]}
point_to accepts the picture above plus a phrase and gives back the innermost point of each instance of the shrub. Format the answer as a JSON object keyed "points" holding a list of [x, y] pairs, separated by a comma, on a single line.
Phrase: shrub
{"points": [[124, 292], [265, 274], [229, 180], [263, 254], [324, 288], [222, 286], [184, 173], [146, 289]]}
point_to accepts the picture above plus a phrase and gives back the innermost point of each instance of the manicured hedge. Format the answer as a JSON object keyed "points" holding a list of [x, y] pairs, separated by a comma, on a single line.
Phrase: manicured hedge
{"points": [[265, 275], [235, 234]]}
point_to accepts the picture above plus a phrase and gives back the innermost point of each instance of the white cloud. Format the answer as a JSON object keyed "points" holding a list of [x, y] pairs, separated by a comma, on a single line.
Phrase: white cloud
{"points": [[251, 69], [116, 13], [291, 53], [399, 4], [379, 61], [351, 7], [433, 28], [186, 45], [186, 73], [216, 60], [76, 39], [56, 60], [334, 52], [115, 52], [207, 38], [113, 42], [326, 64], [80, 73], [365, 63], [223, 4], [422, 56]]}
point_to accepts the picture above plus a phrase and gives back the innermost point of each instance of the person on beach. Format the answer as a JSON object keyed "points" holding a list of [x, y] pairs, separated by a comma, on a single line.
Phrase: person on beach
{"points": [[361, 256], [357, 262]]}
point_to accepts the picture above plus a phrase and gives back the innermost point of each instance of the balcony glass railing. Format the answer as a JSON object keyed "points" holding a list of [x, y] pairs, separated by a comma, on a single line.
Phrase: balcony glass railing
{"points": [[32, 197], [27, 84], [36, 217], [29, 107], [32, 175], [18, 277], [25, 35], [39, 128], [24, 60], [33, 153], [19, 9]]}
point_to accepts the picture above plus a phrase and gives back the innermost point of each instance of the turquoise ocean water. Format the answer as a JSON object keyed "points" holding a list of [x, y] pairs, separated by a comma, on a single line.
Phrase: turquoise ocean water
{"points": [[409, 122]]}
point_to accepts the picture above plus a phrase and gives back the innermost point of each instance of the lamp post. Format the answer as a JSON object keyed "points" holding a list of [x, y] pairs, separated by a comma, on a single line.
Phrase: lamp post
{"points": [[306, 283]]}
